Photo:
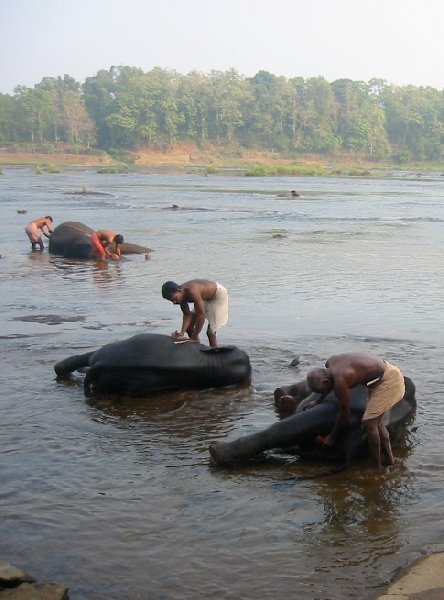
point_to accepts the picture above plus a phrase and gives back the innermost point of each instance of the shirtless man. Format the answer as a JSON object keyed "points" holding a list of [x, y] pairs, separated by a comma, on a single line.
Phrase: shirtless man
{"points": [[100, 241], [210, 301], [35, 228], [386, 387]]}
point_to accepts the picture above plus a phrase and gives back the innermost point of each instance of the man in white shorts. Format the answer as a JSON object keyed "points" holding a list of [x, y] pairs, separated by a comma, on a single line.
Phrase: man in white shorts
{"points": [[210, 301]]}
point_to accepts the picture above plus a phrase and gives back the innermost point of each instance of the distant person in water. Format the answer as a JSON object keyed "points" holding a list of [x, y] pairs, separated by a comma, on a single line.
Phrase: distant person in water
{"points": [[35, 228], [210, 301], [100, 240], [386, 387]]}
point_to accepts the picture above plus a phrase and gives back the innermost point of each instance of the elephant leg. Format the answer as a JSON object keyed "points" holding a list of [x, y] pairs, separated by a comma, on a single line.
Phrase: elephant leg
{"points": [[226, 453], [72, 363], [301, 428], [90, 381]]}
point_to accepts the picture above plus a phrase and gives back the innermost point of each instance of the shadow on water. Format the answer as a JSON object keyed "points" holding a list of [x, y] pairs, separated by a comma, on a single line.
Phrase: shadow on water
{"points": [[191, 415]]}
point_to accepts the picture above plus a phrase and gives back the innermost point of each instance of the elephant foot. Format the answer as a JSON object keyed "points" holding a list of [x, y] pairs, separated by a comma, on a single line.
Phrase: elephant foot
{"points": [[278, 393], [227, 453], [221, 454], [287, 404]]}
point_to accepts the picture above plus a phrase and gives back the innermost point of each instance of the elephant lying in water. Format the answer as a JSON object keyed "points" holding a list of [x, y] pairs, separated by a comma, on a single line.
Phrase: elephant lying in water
{"points": [[298, 432], [72, 240], [150, 363]]}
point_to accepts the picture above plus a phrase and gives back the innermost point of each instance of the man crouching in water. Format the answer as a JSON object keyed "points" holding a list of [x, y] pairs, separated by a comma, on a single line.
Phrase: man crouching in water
{"points": [[210, 301], [100, 240], [386, 388]]}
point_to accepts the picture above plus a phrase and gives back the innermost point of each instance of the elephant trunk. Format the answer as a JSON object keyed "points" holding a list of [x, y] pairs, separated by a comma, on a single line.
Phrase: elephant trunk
{"points": [[301, 428], [72, 363]]}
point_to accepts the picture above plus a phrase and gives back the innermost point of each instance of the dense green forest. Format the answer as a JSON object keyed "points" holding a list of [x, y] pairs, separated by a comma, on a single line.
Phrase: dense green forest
{"points": [[125, 108]]}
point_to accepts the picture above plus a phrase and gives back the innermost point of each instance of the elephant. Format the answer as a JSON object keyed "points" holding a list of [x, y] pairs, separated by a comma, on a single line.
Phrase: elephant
{"points": [[299, 431], [72, 240], [150, 363]]}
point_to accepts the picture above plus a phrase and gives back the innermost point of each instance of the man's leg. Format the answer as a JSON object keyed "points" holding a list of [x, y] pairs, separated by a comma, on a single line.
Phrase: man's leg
{"points": [[211, 337], [385, 442], [374, 441]]}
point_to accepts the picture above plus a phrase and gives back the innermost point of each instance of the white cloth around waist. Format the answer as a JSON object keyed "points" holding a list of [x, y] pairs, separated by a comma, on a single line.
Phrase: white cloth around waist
{"points": [[216, 309]]}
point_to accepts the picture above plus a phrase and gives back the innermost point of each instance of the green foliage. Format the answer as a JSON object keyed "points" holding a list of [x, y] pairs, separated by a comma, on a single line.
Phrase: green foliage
{"points": [[260, 171], [110, 170], [286, 170], [403, 156], [124, 107], [122, 155], [358, 173], [211, 170], [49, 169]]}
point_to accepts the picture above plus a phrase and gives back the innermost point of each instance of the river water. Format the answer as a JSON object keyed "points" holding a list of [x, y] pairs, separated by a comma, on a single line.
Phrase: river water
{"points": [[119, 500]]}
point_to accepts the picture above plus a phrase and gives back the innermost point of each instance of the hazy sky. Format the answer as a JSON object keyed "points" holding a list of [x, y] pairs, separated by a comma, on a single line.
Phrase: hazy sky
{"points": [[397, 40]]}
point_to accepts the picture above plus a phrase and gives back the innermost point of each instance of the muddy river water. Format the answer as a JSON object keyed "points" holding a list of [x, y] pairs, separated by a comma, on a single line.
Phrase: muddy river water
{"points": [[119, 500]]}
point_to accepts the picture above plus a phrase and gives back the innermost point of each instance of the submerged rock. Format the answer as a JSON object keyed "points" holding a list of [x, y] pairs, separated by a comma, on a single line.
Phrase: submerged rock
{"points": [[15, 584]]}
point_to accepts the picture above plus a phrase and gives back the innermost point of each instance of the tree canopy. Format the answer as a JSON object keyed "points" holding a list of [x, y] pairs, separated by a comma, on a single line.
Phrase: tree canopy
{"points": [[125, 107]]}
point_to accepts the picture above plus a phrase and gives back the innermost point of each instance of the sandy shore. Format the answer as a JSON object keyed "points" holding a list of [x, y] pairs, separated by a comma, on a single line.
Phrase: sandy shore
{"points": [[424, 580]]}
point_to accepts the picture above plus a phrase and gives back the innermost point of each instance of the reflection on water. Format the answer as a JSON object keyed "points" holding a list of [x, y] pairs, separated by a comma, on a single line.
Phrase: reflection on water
{"points": [[108, 276], [118, 498]]}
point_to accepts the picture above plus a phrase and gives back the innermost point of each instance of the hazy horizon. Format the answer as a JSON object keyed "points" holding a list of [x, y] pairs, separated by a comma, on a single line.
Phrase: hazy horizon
{"points": [[396, 41]]}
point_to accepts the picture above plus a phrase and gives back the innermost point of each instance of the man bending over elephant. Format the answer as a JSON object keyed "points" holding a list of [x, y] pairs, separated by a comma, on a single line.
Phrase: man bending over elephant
{"points": [[35, 228], [210, 301], [100, 240], [386, 387]]}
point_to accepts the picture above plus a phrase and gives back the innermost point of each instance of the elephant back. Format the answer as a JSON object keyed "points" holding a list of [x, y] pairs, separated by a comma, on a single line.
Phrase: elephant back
{"points": [[72, 240], [150, 363]]}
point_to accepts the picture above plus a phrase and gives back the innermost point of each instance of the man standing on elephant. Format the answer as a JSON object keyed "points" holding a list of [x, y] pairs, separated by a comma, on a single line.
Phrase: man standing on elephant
{"points": [[35, 228], [100, 240], [386, 388], [210, 301]]}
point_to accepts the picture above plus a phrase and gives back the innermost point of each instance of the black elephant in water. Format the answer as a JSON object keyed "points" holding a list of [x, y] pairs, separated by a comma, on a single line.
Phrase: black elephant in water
{"points": [[298, 432], [150, 363], [72, 240]]}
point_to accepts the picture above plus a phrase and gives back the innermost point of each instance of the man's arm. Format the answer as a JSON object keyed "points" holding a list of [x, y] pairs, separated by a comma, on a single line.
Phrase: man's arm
{"points": [[186, 321], [46, 231], [343, 395], [199, 310], [308, 402]]}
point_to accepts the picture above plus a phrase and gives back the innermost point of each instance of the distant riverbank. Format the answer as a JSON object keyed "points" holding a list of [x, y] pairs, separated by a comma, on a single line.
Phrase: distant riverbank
{"points": [[210, 160]]}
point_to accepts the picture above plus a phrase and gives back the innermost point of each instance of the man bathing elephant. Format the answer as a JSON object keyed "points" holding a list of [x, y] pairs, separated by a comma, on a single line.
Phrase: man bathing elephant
{"points": [[101, 240], [35, 228], [210, 300], [386, 387], [331, 405], [149, 363], [76, 240]]}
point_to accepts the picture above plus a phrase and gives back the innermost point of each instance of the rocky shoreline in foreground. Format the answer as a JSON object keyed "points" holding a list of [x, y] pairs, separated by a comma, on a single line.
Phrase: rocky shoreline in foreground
{"points": [[16, 584], [423, 580]]}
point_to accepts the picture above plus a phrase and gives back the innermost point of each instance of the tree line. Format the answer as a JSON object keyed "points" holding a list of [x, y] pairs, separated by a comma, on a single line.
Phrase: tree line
{"points": [[125, 107]]}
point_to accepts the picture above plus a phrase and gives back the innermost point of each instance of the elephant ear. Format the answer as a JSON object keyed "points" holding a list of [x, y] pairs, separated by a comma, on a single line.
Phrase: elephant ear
{"points": [[218, 349]]}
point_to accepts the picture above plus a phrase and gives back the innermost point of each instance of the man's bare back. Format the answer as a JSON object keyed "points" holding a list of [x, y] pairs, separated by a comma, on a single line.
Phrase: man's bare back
{"points": [[386, 387], [355, 368], [201, 293], [198, 289]]}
